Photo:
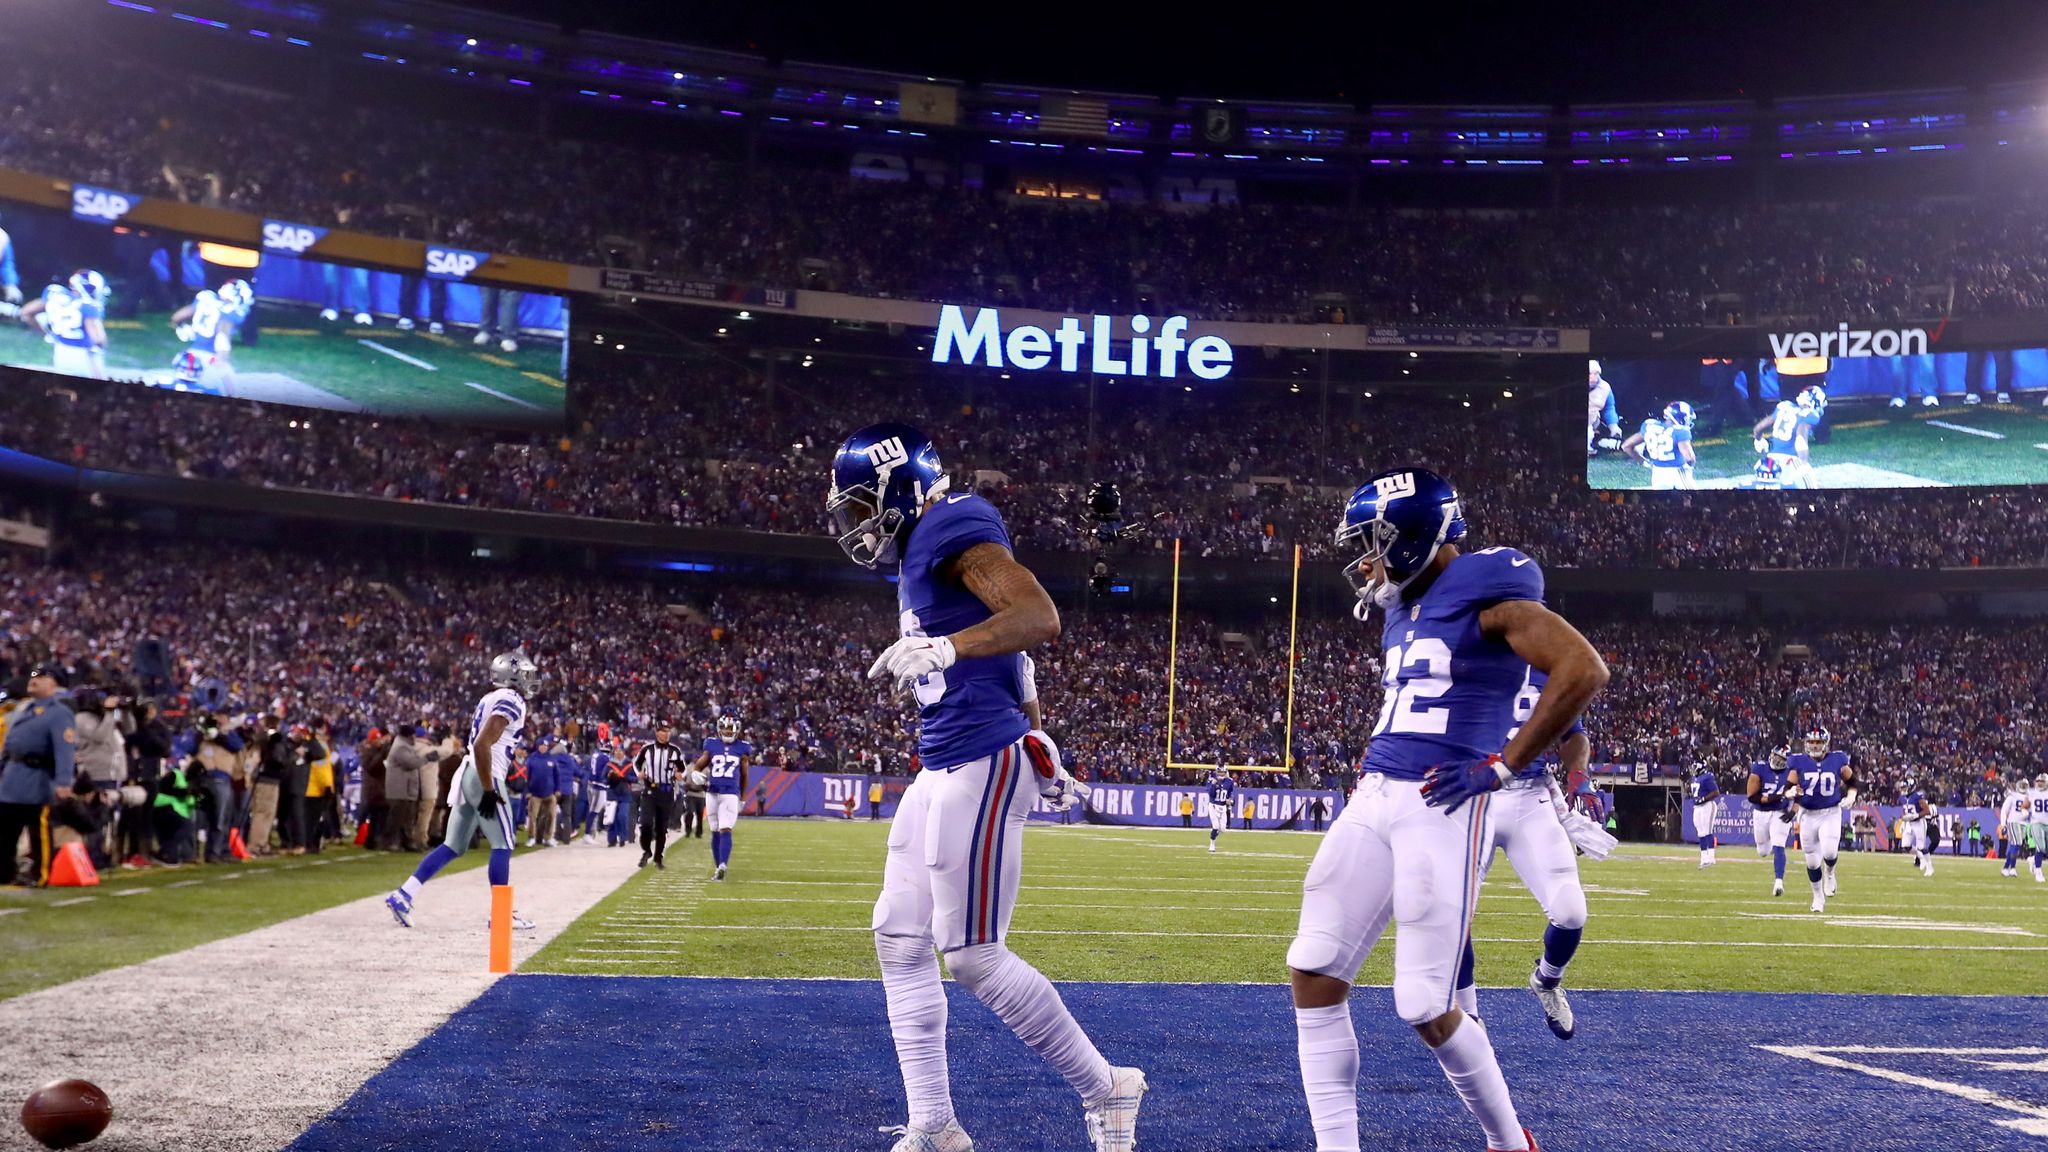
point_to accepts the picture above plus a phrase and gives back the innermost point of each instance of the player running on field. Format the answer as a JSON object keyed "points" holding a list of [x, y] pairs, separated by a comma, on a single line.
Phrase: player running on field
{"points": [[1913, 822], [1784, 439], [2014, 812], [966, 612], [1770, 814], [479, 795], [2037, 826], [724, 760], [1222, 802], [1542, 836], [1458, 633], [1821, 781], [1706, 802]]}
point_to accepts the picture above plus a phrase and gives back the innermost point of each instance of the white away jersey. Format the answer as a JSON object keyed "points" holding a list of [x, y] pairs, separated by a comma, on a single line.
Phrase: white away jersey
{"points": [[509, 704], [2037, 800]]}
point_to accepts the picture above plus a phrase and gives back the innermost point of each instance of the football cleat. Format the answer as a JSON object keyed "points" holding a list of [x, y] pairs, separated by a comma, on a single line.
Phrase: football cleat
{"points": [[401, 908], [1820, 902], [1972, 399], [1898, 402], [1113, 1117], [720, 874], [329, 315], [482, 338], [1557, 1010], [405, 324], [1827, 886], [1777, 887], [436, 327], [2005, 397], [1528, 1137], [1930, 402], [519, 923], [951, 1138], [508, 345], [365, 319], [2039, 878]]}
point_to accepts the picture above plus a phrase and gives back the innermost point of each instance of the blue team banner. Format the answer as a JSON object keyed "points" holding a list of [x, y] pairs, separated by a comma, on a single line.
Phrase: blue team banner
{"points": [[98, 205], [774, 792], [453, 263], [285, 236]]}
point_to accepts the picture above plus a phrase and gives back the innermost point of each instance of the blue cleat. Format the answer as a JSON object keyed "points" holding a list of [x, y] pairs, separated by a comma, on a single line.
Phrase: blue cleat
{"points": [[401, 908]]}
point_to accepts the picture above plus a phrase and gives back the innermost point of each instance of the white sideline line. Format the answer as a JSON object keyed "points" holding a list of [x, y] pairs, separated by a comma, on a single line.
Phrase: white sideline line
{"points": [[1476, 939], [397, 355], [73, 900], [496, 393], [1966, 430], [12, 911], [2035, 1124]]}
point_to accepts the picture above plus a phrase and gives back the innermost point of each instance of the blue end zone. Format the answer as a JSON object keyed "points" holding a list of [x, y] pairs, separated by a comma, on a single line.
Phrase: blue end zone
{"points": [[572, 1062]]}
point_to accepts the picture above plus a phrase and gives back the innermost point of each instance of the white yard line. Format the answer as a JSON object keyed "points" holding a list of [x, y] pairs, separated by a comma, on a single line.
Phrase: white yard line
{"points": [[395, 354], [1966, 429], [2035, 1117], [499, 395], [1604, 940], [343, 992]]}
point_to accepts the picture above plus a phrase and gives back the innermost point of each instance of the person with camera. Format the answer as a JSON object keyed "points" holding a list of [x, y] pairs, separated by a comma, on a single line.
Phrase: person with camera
{"points": [[36, 769], [178, 797], [217, 757]]}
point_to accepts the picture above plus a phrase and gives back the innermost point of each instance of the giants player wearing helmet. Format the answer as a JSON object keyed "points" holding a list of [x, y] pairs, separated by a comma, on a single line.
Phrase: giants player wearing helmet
{"points": [[966, 612], [1459, 632], [1664, 446], [72, 317], [1819, 782], [724, 760], [1770, 814]]}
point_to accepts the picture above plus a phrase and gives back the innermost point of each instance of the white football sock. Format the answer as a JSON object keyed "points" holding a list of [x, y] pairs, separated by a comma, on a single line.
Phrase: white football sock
{"points": [[917, 1020], [1327, 1045], [411, 887], [1467, 1058], [1024, 999]]}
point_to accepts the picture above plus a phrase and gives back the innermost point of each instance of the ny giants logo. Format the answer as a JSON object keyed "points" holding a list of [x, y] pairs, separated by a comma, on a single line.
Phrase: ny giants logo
{"points": [[1396, 486]]}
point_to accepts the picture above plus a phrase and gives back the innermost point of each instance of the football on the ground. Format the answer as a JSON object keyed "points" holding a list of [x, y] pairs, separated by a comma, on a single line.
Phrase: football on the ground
{"points": [[66, 1113]]}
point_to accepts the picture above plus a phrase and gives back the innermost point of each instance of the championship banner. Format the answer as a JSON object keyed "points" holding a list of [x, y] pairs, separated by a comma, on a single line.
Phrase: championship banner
{"points": [[927, 103], [101, 205], [690, 288], [1539, 339]]}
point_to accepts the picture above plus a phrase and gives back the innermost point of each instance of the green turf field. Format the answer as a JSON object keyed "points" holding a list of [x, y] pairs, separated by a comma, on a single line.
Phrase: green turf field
{"points": [[1882, 447], [1152, 904], [298, 357], [51, 935]]}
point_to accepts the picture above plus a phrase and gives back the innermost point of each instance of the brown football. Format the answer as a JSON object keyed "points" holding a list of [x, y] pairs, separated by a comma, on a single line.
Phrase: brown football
{"points": [[66, 1113]]}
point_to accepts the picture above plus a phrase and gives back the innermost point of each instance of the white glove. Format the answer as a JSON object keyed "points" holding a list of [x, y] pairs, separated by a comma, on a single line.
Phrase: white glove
{"points": [[1587, 836], [184, 333], [1055, 785], [1030, 686], [1557, 801], [1760, 444], [911, 658]]}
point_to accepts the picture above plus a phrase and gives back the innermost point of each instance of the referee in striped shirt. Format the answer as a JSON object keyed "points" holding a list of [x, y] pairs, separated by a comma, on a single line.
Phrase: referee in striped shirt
{"points": [[660, 766]]}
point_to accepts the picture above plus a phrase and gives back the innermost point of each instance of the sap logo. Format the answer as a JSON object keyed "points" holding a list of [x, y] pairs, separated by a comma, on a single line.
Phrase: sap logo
{"points": [[102, 204], [453, 263], [279, 236], [1844, 341], [1030, 347]]}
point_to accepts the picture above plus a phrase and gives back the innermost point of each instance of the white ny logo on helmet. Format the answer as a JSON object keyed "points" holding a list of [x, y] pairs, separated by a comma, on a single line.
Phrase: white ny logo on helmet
{"points": [[1393, 487], [885, 455]]}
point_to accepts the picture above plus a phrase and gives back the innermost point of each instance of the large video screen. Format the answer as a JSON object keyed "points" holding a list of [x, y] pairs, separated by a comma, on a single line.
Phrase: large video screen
{"points": [[157, 309], [1786, 423]]}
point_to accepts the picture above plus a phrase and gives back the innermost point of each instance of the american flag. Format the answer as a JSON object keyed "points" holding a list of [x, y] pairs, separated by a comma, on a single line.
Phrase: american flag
{"points": [[1074, 115]]}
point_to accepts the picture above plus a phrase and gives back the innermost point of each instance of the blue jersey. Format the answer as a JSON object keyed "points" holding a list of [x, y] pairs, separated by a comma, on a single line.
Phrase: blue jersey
{"points": [[1912, 802], [1661, 442], [1221, 790], [724, 769], [1450, 690], [1791, 426], [1704, 787], [1770, 794], [1525, 707], [208, 322], [975, 708], [1820, 781], [65, 313]]}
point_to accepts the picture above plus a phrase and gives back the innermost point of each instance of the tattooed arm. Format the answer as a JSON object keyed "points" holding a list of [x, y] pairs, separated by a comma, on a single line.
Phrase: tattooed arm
{"points": [[1024, 615]]}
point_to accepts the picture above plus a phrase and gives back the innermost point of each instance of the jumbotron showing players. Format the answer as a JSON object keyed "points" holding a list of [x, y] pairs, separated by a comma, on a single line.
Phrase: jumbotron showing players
{"points": [[659, 577]]}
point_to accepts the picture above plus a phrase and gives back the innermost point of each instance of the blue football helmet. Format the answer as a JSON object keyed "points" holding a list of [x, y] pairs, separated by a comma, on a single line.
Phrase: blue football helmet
{"points": [[237, 296], [881, 480], [188, 368], [87, 284], [1813, 398], [1679, 414], [1817, 741], [1402, 517], [1779, 756], [728, 727]]}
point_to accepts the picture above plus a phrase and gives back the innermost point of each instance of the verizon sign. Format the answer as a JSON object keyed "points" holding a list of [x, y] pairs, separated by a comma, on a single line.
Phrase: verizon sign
{"points": [[1847, 341]]}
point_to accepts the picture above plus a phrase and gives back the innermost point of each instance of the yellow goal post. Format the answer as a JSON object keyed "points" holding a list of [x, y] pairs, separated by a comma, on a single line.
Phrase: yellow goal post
{"points": [[1172, 663]]}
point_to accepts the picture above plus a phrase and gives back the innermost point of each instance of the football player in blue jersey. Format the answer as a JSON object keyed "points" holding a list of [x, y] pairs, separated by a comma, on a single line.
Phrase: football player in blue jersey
{"points": [[1459, 632], [724, 759], [1664, 446], [1819, 782], [967, 611], [72, 318], [1222, 802], [1913, 818], [1770, 814], [1784, 439], [1542, 836], [1706, 801]]}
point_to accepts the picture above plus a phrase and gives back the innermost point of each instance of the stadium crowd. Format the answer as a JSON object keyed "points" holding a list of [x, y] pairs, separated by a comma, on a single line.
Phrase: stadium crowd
{"points": [[384, 171], [1241, 476], [203, 673]]}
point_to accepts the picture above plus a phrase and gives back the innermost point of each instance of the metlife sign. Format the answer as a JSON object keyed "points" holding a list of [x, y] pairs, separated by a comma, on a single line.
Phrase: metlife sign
{"points": [[1156, 350], [100, 205], [295, 239], [453, 263]]}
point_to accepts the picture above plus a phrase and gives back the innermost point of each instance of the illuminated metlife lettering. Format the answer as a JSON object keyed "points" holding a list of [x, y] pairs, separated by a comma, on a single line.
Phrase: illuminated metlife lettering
{"points": [[1030, 348]]}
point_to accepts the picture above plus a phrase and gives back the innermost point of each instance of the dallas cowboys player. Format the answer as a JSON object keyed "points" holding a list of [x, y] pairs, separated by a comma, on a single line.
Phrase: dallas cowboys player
{"points": [[2037, 801], [725, 758], [1539, 833], [1459, 629], [968, 612], [494, 728], [1783, 439], [1770, 817], [1913, 826], [1664, 446], [1222, 802], [73, 319], [1820, 782], [2014, 812], [1706, 802]]}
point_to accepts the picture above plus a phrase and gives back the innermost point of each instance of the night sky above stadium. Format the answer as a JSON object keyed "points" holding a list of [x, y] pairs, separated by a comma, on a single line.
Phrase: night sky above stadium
{"points": [[1366, 53]]}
